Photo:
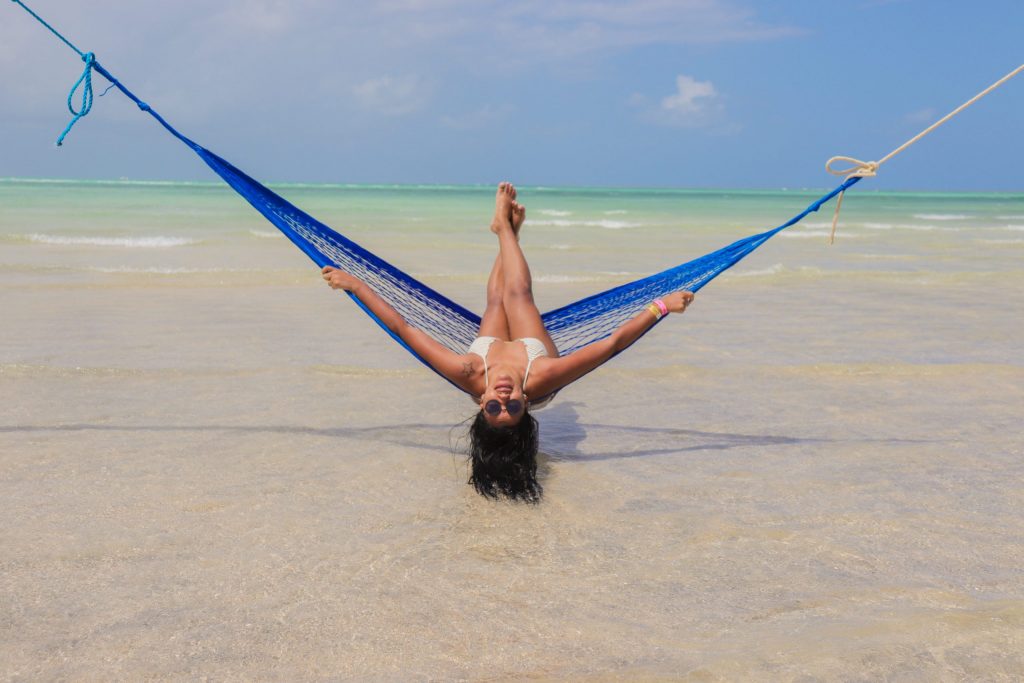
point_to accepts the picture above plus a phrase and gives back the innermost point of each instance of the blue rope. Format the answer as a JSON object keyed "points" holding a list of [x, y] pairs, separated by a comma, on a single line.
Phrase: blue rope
{"points": [[52, 29], [86, 78]]}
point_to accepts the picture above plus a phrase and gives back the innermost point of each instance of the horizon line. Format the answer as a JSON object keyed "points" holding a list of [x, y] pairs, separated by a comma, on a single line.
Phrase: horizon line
{"points": [[124, 181]]}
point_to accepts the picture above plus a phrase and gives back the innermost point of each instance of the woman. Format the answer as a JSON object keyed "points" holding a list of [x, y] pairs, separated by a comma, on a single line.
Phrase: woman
{"points": [[512, 359]]}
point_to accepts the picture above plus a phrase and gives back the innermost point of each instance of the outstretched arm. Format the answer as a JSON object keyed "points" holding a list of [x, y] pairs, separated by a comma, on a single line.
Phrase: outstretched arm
{"points": [[569, 368], [442, 359]]}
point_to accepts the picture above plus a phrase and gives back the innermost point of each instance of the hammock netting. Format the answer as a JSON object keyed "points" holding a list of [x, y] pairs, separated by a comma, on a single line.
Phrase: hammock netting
{"points": [[571, 327]]}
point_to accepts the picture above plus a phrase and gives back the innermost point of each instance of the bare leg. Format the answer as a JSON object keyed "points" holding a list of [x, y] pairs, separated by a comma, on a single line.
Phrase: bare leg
{"points": [[520, 309], [494, 322]]}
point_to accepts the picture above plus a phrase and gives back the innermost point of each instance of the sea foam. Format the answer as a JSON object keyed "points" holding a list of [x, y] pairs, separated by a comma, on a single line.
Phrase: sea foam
{"points": [[154, 270], [908, 226], [816, 233], [156, 242], [608, 224], [266, 234], [772, 270], [555, 278]]}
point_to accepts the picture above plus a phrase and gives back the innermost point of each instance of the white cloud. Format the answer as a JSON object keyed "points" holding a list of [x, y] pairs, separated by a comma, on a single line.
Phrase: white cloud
{"points": [[529, 31], [691, 100], [223, 56], [694, 104], [392, 95], [291, 69]]}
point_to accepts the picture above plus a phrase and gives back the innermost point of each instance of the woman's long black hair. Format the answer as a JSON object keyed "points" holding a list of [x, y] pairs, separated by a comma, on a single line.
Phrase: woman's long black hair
{"points": [[504, 459]]}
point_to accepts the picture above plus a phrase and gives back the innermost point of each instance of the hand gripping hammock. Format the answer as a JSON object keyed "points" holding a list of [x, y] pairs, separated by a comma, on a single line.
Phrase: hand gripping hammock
{"points": [[571, 327]]}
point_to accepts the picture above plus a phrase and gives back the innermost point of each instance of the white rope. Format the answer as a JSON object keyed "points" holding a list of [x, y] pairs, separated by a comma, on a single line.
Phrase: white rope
{"points": [[868, 169]]}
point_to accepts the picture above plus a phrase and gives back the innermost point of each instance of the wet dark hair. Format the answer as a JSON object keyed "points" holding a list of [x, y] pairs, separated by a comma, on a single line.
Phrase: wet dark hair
{"points": [[504, 459]]}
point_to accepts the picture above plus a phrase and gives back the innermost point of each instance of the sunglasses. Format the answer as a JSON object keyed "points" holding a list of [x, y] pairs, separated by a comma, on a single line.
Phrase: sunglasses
{"points": [[513, 407]]}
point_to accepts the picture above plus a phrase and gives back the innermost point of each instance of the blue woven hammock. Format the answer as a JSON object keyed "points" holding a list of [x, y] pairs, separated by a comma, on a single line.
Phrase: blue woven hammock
{"points": [[571, 327]]}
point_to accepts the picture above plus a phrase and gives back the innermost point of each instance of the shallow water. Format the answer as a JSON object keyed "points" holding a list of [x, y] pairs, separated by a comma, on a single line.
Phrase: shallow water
{"points": [[214, 466]]}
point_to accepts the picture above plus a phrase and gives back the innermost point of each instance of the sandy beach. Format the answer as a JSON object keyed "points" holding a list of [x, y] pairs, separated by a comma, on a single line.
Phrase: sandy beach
{"points": [[213, 467]]}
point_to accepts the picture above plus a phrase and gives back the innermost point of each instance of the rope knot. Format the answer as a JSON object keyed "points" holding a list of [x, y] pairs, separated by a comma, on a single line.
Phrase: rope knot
{"points": [[143, 106], [85, 80], [857, 168]]}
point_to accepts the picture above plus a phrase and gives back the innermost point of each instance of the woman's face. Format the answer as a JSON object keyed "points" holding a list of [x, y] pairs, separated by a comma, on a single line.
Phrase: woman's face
{"points": [[505, 395]]}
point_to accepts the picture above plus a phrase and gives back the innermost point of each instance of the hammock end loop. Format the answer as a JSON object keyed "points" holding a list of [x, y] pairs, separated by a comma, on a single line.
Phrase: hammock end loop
{"points": [[857, 168]]}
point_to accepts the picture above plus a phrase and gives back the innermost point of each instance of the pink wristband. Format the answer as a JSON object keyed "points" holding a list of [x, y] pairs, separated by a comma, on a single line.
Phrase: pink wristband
{"points": [[661, 307]]}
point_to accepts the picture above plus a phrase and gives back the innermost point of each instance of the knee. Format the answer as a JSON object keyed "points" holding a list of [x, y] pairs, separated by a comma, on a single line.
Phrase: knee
{"points": [[495, 306], [519, 293], [495, 298]]}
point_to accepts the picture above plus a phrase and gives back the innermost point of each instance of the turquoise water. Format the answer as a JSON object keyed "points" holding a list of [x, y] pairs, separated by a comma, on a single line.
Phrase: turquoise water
{"points": [[631, 231], [212, 465]]}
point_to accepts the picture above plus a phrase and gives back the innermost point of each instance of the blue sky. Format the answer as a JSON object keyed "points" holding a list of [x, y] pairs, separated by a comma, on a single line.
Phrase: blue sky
{"points": [[684, 93]]}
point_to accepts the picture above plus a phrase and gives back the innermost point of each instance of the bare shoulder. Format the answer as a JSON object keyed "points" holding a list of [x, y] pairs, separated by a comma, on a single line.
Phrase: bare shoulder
{"points": [[546, 375]]}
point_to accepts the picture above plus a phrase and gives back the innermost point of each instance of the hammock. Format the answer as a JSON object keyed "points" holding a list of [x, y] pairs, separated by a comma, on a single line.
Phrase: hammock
{"points": [[571, 327]]}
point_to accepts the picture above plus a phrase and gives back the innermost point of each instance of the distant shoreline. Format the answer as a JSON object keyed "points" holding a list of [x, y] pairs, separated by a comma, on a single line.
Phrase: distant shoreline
{"points": [[482, 187]]}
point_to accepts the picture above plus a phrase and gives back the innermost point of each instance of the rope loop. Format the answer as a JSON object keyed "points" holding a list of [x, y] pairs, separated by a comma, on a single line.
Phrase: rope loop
{"points": [[857, 168], [85, 107]]}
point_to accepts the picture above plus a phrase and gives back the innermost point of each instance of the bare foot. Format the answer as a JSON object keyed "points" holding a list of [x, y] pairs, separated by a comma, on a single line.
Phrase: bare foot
{"points": [[503, 201], [518, 216]]}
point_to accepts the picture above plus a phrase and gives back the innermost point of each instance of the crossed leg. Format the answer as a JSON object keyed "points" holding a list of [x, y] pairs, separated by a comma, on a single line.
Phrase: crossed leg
{"points": [[517, 295]]}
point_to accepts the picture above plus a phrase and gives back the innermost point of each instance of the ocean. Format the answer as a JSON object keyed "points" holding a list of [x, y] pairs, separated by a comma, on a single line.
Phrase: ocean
{"points": [[214, 466]]}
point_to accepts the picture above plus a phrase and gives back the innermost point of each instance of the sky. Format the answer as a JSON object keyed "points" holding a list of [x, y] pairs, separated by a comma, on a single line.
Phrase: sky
{"points": [[634, 93]]}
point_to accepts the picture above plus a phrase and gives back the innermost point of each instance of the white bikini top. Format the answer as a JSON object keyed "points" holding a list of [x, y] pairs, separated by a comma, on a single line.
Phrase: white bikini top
{"points": [[534, 349]]}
